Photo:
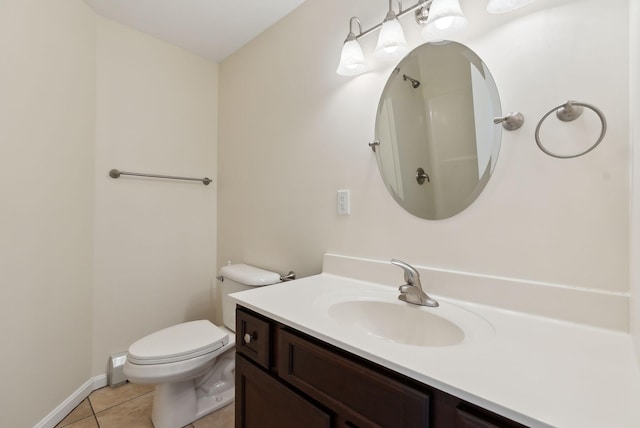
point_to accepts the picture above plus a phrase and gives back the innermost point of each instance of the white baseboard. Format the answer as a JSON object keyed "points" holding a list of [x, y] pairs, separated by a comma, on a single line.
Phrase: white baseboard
{"points": [[59, 413]]}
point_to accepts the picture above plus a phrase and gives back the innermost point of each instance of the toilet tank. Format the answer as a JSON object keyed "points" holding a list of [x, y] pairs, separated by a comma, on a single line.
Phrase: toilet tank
{"points": [[241, 277]]}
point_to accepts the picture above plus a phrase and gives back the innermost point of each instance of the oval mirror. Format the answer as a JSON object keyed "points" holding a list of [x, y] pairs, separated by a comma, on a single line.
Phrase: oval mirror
{"points": [[438, 144]]}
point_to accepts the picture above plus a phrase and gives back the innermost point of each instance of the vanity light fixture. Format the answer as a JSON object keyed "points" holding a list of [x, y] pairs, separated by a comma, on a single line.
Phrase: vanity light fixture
{"points": [[438, 17], [391, 42], [351, 58], [444, 17]]}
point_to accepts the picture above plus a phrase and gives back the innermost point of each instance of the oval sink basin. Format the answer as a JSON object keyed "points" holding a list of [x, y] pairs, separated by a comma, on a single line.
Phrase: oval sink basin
{"points": [[377, 314], [401, 323]]}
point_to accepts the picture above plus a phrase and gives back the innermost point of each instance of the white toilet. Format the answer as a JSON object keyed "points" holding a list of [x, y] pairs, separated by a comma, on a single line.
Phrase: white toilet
{"points": [[193, 364]]}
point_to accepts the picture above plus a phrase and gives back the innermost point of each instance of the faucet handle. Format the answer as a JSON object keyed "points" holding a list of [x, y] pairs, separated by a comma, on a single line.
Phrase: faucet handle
{"points": [[411, 275]]}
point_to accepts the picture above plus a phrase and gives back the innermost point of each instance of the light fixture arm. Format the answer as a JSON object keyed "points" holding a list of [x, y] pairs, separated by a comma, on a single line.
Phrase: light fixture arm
{"points": [[352, 35], [391, 14], [400, 14]]}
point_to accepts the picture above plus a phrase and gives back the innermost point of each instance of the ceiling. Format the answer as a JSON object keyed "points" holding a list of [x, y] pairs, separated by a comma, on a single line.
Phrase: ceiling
{"points": [[213, 29]]}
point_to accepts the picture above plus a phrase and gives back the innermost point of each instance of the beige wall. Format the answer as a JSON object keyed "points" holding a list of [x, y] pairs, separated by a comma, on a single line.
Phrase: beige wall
{"points": [[634, 50], [155, 239], [47, 121], [90, 264], [292, 133]]}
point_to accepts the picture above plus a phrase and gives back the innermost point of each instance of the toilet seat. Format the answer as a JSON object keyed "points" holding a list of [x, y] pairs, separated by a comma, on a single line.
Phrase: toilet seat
{"points": [[178, 343]]}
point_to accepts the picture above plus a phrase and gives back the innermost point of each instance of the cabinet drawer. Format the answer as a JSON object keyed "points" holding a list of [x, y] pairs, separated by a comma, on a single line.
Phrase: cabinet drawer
{"points": [[339, 383], [253, 337], [467, 420]]}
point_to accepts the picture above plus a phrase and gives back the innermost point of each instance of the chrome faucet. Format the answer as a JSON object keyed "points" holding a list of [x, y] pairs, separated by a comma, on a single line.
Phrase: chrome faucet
{"points": [[411, 292]]}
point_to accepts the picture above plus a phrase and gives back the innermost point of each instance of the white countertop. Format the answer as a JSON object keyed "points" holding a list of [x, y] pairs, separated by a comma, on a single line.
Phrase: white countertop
{"points": [[538, 371]]}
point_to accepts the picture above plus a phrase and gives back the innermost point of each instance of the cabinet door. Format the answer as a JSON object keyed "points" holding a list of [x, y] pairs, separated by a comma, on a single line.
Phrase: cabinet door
{"points": [[263, 402], [465, 419]]}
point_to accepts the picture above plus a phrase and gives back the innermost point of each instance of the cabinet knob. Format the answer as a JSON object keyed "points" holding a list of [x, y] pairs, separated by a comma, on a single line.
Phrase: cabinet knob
{"points": [[248, 337]]}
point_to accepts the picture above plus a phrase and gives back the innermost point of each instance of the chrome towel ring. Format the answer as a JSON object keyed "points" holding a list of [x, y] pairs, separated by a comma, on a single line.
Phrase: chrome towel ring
{"points": [[568, 112]]}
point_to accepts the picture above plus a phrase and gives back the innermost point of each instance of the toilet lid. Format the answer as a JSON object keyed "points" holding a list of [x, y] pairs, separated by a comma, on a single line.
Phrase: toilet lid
{"points": [[178, 343]]}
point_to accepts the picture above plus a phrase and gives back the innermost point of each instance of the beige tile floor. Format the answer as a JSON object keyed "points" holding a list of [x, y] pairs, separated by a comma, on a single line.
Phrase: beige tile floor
{"points": [[129, 406]]}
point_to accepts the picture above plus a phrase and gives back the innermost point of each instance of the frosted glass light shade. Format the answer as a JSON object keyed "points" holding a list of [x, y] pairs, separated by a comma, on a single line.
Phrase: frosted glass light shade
{"points": [[502, 6], [445, 17], [391, 42], [351, 59]]}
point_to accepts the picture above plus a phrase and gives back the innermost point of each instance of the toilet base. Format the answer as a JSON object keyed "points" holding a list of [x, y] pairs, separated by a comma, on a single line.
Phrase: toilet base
{"points": [[178, 404], [174, 408]]}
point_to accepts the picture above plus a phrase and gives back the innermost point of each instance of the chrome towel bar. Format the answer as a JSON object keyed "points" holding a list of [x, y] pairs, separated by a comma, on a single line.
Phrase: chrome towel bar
{"points": [[115, 173]]}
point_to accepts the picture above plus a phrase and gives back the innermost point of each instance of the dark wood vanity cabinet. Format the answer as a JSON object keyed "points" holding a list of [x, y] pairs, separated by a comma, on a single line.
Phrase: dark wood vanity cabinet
{"points": [[285, 378]]}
